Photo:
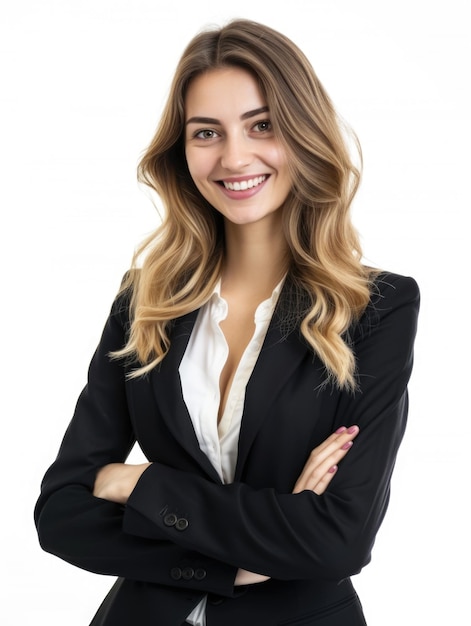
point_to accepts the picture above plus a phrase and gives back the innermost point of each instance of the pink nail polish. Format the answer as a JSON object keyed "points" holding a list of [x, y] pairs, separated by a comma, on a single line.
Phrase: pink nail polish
{"points": [[347, 445], [333, 469], [352, 429], [342, 429]]}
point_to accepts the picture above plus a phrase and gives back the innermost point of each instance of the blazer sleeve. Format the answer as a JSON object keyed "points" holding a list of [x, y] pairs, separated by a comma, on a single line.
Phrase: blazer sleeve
{"points": [[298, 536], [87, 531]]}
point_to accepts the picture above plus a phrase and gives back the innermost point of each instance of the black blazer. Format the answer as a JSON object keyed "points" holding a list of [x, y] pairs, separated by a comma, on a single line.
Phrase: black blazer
{"points": [[183, 534]]}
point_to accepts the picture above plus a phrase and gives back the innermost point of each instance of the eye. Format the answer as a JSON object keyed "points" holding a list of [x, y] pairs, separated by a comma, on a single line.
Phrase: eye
{"points": [[206, 133], [263, 126]]}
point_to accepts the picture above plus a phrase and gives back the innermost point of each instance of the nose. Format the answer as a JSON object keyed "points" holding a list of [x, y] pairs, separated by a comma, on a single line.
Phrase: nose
{"points": [[236, 153]]}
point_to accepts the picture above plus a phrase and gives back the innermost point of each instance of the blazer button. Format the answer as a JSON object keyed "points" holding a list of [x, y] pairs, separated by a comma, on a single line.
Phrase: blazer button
{"points": [[188, 573], [181, 524], [170, 519], [176, 573], [200, 573]]}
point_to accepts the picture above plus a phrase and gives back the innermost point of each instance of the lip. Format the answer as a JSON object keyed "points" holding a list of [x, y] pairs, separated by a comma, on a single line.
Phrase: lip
{"points": [[242, 194]]}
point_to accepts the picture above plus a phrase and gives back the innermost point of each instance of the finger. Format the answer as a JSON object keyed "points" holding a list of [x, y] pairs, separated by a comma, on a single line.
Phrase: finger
{"points": [[333, 443], [325, 480], [320, 475], [330, 452], [318, 483], [336, 439], [323, 458]]}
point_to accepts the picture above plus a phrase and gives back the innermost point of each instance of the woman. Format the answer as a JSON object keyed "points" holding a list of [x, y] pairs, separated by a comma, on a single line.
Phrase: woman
{"points": [[245, 355]]}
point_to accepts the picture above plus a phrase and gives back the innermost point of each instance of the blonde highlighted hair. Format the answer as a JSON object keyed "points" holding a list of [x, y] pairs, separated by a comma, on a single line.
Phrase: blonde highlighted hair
{"points": [[182, 260]]}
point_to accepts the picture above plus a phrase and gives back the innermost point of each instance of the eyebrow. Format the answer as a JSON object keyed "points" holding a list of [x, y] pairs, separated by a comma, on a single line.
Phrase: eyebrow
{"points": [[212, 120]]}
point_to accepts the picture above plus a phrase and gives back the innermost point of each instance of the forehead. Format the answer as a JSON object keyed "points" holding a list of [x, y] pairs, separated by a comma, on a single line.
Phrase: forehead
{"points": [[223, 91]]}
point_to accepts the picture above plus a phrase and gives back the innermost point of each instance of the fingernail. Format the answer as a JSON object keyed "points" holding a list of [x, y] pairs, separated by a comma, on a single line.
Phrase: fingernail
{"points": [[347, 445], [342, 429], [352, 429], [333, 469]]}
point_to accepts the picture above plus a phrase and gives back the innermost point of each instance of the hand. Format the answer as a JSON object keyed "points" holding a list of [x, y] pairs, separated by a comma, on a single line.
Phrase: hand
{"points": [[116, 481], [316, 475], [321, 465], [249, 578]]}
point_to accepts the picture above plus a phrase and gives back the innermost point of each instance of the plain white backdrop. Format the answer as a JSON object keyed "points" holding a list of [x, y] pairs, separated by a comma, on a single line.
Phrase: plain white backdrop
{"points": [[82, 85]]}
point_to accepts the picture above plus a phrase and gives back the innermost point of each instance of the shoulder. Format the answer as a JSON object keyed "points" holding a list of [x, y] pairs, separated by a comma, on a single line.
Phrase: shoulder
{"points": [[394, 304], [391, 291], [388, 285]]}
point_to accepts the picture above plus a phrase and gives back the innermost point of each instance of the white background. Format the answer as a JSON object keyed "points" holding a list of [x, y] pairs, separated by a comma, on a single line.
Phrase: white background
{"points": [[81, 88]]}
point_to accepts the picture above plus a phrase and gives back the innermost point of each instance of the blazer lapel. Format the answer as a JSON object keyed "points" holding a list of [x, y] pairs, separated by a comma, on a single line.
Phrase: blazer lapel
{"points": [[281, 353], [166, 385]]}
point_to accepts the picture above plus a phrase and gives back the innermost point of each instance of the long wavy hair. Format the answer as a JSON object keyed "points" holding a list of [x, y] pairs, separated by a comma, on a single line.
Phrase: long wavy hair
{"points": [[180, 263]]}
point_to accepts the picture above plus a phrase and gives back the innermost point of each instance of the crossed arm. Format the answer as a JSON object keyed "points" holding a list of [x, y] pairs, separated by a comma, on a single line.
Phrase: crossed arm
{"points": [[116, 481], [329, 536]]}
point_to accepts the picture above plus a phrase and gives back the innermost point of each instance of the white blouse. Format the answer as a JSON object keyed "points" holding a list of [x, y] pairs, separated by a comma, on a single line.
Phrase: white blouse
{"points": [[200, 371]]}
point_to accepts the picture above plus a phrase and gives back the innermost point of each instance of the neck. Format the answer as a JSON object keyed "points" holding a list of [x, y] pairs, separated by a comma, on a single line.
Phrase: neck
{"points": [[256, 257]]}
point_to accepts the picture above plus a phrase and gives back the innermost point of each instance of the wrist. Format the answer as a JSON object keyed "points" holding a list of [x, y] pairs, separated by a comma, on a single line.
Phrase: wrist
{"points": [[115, 482]]}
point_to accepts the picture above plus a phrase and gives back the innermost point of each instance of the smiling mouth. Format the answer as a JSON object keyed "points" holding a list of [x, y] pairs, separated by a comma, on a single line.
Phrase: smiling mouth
{"points": [[243, 185]]}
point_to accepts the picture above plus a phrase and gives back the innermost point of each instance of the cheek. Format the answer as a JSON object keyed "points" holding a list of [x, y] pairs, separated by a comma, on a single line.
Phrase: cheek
{"points": [[198, 174], [189, 162], [279, 160], [198, 166]]}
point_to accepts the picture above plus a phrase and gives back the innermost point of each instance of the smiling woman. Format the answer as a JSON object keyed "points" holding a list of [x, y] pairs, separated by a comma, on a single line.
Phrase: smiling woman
{"points": [[248, 348], [238, 164]]}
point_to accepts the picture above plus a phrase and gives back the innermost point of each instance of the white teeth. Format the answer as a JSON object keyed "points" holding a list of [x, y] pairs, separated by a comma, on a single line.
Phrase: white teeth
{"points": [[244, 184]]}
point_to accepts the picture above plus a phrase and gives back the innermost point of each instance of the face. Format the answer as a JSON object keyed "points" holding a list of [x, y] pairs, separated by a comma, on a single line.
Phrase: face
{"points": [[233, 156]]}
